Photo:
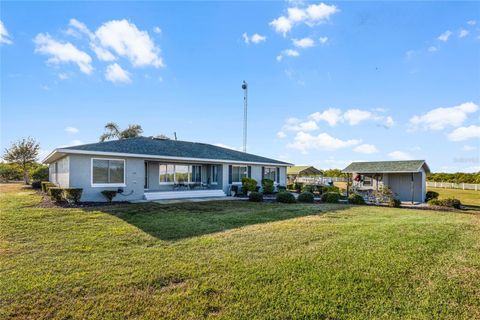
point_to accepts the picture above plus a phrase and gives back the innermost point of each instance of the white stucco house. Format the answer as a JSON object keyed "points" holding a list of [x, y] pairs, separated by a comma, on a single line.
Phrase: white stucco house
{"points": [[151, 168]]}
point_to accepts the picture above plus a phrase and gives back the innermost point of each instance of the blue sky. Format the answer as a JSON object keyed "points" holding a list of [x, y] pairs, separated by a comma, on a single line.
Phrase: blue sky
{"points": [[329, 83]]}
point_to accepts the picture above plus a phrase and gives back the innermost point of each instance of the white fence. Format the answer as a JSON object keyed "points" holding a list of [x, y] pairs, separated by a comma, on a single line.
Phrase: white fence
{"points": [[450, 185]]}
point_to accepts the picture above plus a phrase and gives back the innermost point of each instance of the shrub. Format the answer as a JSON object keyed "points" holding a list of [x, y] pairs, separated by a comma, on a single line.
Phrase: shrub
{"points": [[331, 197], [297, 186], [305, 197], [290, 186], [285, 197], [109, 194], [36, 185], [281, 189], [326, 189], [234, 188], [431, 195], [356, 199], [48, 185], [308, 188], [255, 196], [72, 194], [395, 203], [10, 172], [55, 193], [449, 202], [40, 173], [267, 185], [248, 184]]}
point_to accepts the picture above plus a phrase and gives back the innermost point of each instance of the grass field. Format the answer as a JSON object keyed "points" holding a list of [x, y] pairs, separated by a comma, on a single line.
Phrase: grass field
{"points": [[235, 260]]}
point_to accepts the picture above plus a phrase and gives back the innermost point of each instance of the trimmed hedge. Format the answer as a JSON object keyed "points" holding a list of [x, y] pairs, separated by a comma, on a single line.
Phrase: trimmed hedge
{"points": [[248, 184], [72, 194], [55, 194], [267, 185], [331, 197], [281, 188], [395, 203], [305, 197], [356, 199], [327, 189], [109, 194], [36, 185], [285, 197], [297, 186], [308, 188], [255, 196], [449, 202], [431, 195]]}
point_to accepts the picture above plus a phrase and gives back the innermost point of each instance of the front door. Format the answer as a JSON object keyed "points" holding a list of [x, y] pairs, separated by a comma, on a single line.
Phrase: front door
{"points": [[145, 186]]}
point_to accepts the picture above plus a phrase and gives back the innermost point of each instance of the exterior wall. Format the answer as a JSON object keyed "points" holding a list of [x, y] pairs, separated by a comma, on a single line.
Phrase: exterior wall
{"points": [[59, 172], [81, 177], [256, 173], [400, 183]]}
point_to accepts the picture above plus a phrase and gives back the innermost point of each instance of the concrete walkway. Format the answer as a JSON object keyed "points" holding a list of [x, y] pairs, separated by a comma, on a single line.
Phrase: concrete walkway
{"points": [[189, 200]]}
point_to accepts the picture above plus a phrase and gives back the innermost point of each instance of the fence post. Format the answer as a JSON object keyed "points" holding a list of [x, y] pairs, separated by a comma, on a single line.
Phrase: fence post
{"points": [[463, 185]]}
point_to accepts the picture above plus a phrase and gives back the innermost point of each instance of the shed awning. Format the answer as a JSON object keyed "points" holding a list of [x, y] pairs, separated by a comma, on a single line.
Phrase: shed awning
{"points": [[387, 166]]}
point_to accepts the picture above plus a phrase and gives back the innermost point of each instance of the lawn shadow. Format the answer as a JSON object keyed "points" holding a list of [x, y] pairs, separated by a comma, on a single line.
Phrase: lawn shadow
{"points": [[185, 220]]}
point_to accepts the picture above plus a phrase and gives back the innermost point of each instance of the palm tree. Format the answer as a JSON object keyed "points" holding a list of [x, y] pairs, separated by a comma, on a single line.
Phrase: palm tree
{"points": [[113, 131]]}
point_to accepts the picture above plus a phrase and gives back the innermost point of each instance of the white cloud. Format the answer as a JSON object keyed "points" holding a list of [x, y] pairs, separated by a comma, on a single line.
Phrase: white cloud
{"points": [[355, 116], [305, 141], [279, 58], [4, 35], [221, 145], [400, 155], [389, 122], [157, 30], [115, 73], [281, 135], [255, 38], [471, 22], [63, 76], [463, 33], [440, 118], [444, 36], [366, 148], [71, 130], [126, 40], [469, 148], [62, 52], [311, 15], [323, 40], [410, 53], [294, 124], [303, 43], [465, 133], [291, 53], [332, 116], [432, 49]]}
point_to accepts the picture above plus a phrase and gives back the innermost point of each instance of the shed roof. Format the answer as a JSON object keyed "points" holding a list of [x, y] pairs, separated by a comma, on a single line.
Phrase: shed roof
{"points": [[296, 170], [387, 166], [170, 149]]}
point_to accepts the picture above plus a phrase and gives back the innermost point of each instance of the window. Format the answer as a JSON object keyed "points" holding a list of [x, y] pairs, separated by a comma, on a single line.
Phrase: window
{"points": [[270, 173], [108, 172], [177, 173], [238, 173], [214, 174]]}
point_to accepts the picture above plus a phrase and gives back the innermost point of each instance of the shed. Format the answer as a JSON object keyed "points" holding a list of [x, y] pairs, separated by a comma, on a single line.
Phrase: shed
{"points": [[302, 171], [406, 179]]}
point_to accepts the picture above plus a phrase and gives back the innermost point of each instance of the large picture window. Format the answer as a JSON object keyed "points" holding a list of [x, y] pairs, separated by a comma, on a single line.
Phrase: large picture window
{"points": [[270, 173], [108, 172], [214, 174], [177, 173], [238, 173]]}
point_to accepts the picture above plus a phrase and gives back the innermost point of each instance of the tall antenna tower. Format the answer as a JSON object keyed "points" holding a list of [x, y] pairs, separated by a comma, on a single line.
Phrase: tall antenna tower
{"points": [[245, 93]]}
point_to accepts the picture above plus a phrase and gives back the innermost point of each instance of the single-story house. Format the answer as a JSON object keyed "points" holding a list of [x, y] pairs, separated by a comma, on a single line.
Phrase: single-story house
{"points": [[406, 179], [152, 168], [302, 171]]}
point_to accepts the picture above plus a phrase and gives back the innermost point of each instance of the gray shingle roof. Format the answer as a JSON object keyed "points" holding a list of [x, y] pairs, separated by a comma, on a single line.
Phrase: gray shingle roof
{"points": [[387, 166], [173, 148]]}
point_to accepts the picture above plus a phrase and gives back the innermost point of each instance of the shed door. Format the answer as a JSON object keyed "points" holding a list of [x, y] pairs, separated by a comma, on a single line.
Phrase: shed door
{"points": [[400, 183]]}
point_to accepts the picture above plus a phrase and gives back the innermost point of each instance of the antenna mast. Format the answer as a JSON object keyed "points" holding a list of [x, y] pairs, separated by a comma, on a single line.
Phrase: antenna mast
{"points": [[245, 93]]}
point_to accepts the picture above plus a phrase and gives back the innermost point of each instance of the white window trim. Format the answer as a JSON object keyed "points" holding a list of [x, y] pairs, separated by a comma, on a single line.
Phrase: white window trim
{"points": [[175, 173], [275, 183], [106, 185], [239, 166]]}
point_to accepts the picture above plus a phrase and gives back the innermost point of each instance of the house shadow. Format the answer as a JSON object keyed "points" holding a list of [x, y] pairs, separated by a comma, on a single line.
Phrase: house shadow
{"points": [[179, 221]]}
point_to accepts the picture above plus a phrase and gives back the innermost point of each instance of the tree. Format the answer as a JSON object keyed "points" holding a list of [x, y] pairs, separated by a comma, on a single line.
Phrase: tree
{"points": [[24, 152], [10, 172], [113, 131]]}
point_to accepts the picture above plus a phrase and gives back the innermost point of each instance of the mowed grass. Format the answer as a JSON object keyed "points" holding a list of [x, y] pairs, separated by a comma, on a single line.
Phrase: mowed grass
{"points": [[467, 197], [235, 260]]}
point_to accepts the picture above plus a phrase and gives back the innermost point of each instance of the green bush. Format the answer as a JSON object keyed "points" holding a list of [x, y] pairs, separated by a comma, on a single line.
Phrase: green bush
{"points": [[448, 202], [109, 194], [10, 172], [305, 197], [331, 197], [234, 188], [285, 197], [37, 185], [55, 193], [326, 189], [72, 194], [356, 199], [431, 195], [290, 186], [281, 189], [267, 185], [47, 186], [40, 173], [297, 186], [248, 184], [255, 196], [308, 188], [395, 203]]}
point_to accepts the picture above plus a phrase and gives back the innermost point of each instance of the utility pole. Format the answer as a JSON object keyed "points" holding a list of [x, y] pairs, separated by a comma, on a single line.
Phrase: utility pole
{"points": [[245, 92]]}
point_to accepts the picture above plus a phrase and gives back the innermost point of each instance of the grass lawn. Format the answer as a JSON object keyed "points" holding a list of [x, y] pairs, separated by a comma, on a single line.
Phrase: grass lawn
{"points": [[467, 197], [235, 260]]}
